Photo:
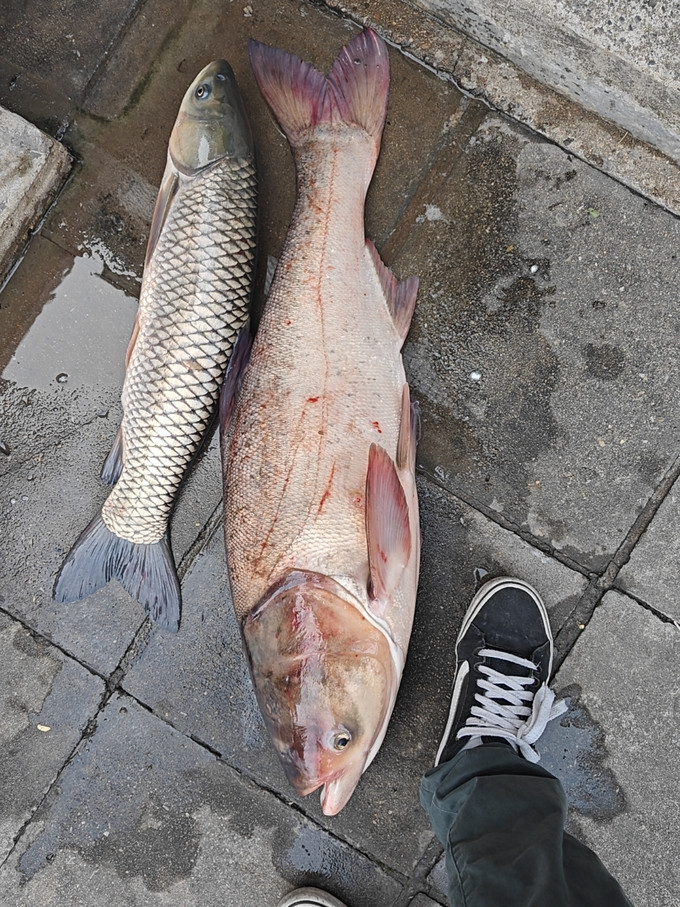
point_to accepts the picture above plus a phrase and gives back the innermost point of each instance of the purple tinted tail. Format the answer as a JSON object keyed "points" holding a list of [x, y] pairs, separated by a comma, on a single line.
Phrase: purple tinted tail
{"points": [[354, 92]]}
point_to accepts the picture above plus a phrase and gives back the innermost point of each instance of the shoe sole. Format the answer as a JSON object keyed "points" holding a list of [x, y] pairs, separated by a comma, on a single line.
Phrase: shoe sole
{"points": [[479, 599], [309, 897]]}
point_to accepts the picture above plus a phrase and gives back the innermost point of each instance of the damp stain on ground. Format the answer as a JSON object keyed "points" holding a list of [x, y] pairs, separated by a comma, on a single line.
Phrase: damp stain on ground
{"points": [[574, 749]]}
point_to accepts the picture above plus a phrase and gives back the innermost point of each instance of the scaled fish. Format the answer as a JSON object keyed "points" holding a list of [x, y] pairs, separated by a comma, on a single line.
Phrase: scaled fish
{"points": [[318, 443], [194, 300]]}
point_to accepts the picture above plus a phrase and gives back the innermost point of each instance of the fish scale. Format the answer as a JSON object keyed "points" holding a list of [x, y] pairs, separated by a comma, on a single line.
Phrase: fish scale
{"points": [[213, 219]]}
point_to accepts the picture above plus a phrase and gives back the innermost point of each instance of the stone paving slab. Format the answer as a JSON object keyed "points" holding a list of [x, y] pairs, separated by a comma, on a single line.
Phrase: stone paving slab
{"points": [[46, 702], [653, 573], [144, 816], [624, 67], [539, 344], [37, 529], [623, 675], [199, 681], [422, 900], [33, 168], [62, 42]]}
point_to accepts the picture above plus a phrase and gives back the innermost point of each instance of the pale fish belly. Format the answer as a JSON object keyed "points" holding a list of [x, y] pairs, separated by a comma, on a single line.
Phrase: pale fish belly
{"points": [[326, 381], [194, 300]]}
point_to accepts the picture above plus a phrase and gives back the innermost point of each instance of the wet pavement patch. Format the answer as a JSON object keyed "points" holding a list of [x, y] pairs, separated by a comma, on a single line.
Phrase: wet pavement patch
{"points": [[574, 749], [46, 703], [142, 801]]}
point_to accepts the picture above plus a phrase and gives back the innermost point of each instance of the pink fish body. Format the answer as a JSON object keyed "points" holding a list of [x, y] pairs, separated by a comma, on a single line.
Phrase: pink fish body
{"points": [[321, 511]]}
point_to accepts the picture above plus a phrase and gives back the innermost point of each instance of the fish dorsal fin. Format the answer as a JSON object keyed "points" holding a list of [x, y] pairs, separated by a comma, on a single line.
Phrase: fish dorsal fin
{"points": [[388, 533], [240, 357], [166, 194], [400, 295], [408, 432]]}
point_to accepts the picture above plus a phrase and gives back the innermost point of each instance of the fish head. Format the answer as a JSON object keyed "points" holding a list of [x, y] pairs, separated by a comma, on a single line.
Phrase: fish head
{"points": [[211, 123], [325, 681]]}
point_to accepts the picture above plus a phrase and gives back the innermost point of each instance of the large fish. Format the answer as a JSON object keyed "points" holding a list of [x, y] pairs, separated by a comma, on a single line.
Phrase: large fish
{"points": [[318, 442], [194, 300]]}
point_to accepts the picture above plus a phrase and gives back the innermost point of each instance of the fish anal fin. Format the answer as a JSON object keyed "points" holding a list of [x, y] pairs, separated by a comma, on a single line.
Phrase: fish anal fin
{"points": [[388, 532], [400, 295], [113, 464], [408, 431]]}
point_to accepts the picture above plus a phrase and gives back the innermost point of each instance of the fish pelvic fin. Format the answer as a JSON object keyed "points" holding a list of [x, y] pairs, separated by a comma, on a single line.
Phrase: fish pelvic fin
{"points": [[399, 295], [300, 97], [146, 572], [113, 464], [233, 379], [388, 530]]}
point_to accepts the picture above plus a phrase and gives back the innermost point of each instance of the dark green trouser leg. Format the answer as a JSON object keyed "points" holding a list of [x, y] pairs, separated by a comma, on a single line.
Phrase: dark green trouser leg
{"points": [[501, 820]]}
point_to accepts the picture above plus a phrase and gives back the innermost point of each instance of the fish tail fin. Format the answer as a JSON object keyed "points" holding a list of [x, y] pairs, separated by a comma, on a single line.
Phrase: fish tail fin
{"points": [[147, 572], [355, 91]]}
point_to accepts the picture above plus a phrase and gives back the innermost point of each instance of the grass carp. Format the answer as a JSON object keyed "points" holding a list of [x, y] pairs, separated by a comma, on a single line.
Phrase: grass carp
{"points": [[194, 299], [319, 440]]}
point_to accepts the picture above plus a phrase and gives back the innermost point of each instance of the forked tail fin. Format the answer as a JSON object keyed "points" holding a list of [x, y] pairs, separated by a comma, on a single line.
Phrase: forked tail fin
{"points": [[146, 572], [354, 92]]}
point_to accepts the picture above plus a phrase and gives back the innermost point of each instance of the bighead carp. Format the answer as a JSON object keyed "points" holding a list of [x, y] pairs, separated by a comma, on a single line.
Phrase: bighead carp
{"points": [[319, 441]]}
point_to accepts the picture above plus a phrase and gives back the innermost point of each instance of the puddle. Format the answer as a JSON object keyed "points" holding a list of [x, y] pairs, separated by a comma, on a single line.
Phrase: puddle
{"points": [[79, 337]]}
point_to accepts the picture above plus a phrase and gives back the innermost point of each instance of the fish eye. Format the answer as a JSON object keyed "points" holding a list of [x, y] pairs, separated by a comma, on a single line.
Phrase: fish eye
{"points": [[202, 91], [340, 740]]}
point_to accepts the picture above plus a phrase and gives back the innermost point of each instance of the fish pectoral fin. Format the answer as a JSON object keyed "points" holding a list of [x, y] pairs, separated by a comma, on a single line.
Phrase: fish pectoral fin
{"points": [[240, 357], [166, 194], [400, 295], [409, 429], [388, 532], [113, 464]]}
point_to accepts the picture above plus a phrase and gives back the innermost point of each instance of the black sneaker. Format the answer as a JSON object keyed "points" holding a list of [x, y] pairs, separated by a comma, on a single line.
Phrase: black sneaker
{"points": [[504, 658], [309, 897]]}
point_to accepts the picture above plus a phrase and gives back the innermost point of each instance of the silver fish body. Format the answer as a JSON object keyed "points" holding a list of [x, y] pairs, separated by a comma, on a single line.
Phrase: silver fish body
{"points": [[193, 303], [194, 299], [321, 514]]}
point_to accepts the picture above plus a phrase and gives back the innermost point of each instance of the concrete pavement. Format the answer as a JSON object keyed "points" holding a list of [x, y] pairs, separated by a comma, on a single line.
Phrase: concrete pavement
{"points": [[136, 768]]}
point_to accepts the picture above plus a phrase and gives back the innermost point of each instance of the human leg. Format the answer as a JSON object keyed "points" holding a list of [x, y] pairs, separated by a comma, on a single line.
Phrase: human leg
{"points": [[499, 814]]}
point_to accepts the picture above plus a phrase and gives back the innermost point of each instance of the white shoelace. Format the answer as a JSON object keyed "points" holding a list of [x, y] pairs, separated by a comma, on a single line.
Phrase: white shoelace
{"points": [[504, 709]]}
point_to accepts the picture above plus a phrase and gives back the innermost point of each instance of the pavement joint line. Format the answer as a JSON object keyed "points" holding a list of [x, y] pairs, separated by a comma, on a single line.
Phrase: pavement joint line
{"points": [[417, 881], [88, 732], [201, 542], [641, 523], [576, 622], [261, 785], [509, 526], [436, 174], [37, 229], [42, 638], [110, 50], [664, 618]]}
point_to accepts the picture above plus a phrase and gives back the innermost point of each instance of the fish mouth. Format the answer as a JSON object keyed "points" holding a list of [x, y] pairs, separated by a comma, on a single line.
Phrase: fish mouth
{"points": [[336, 788]]}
